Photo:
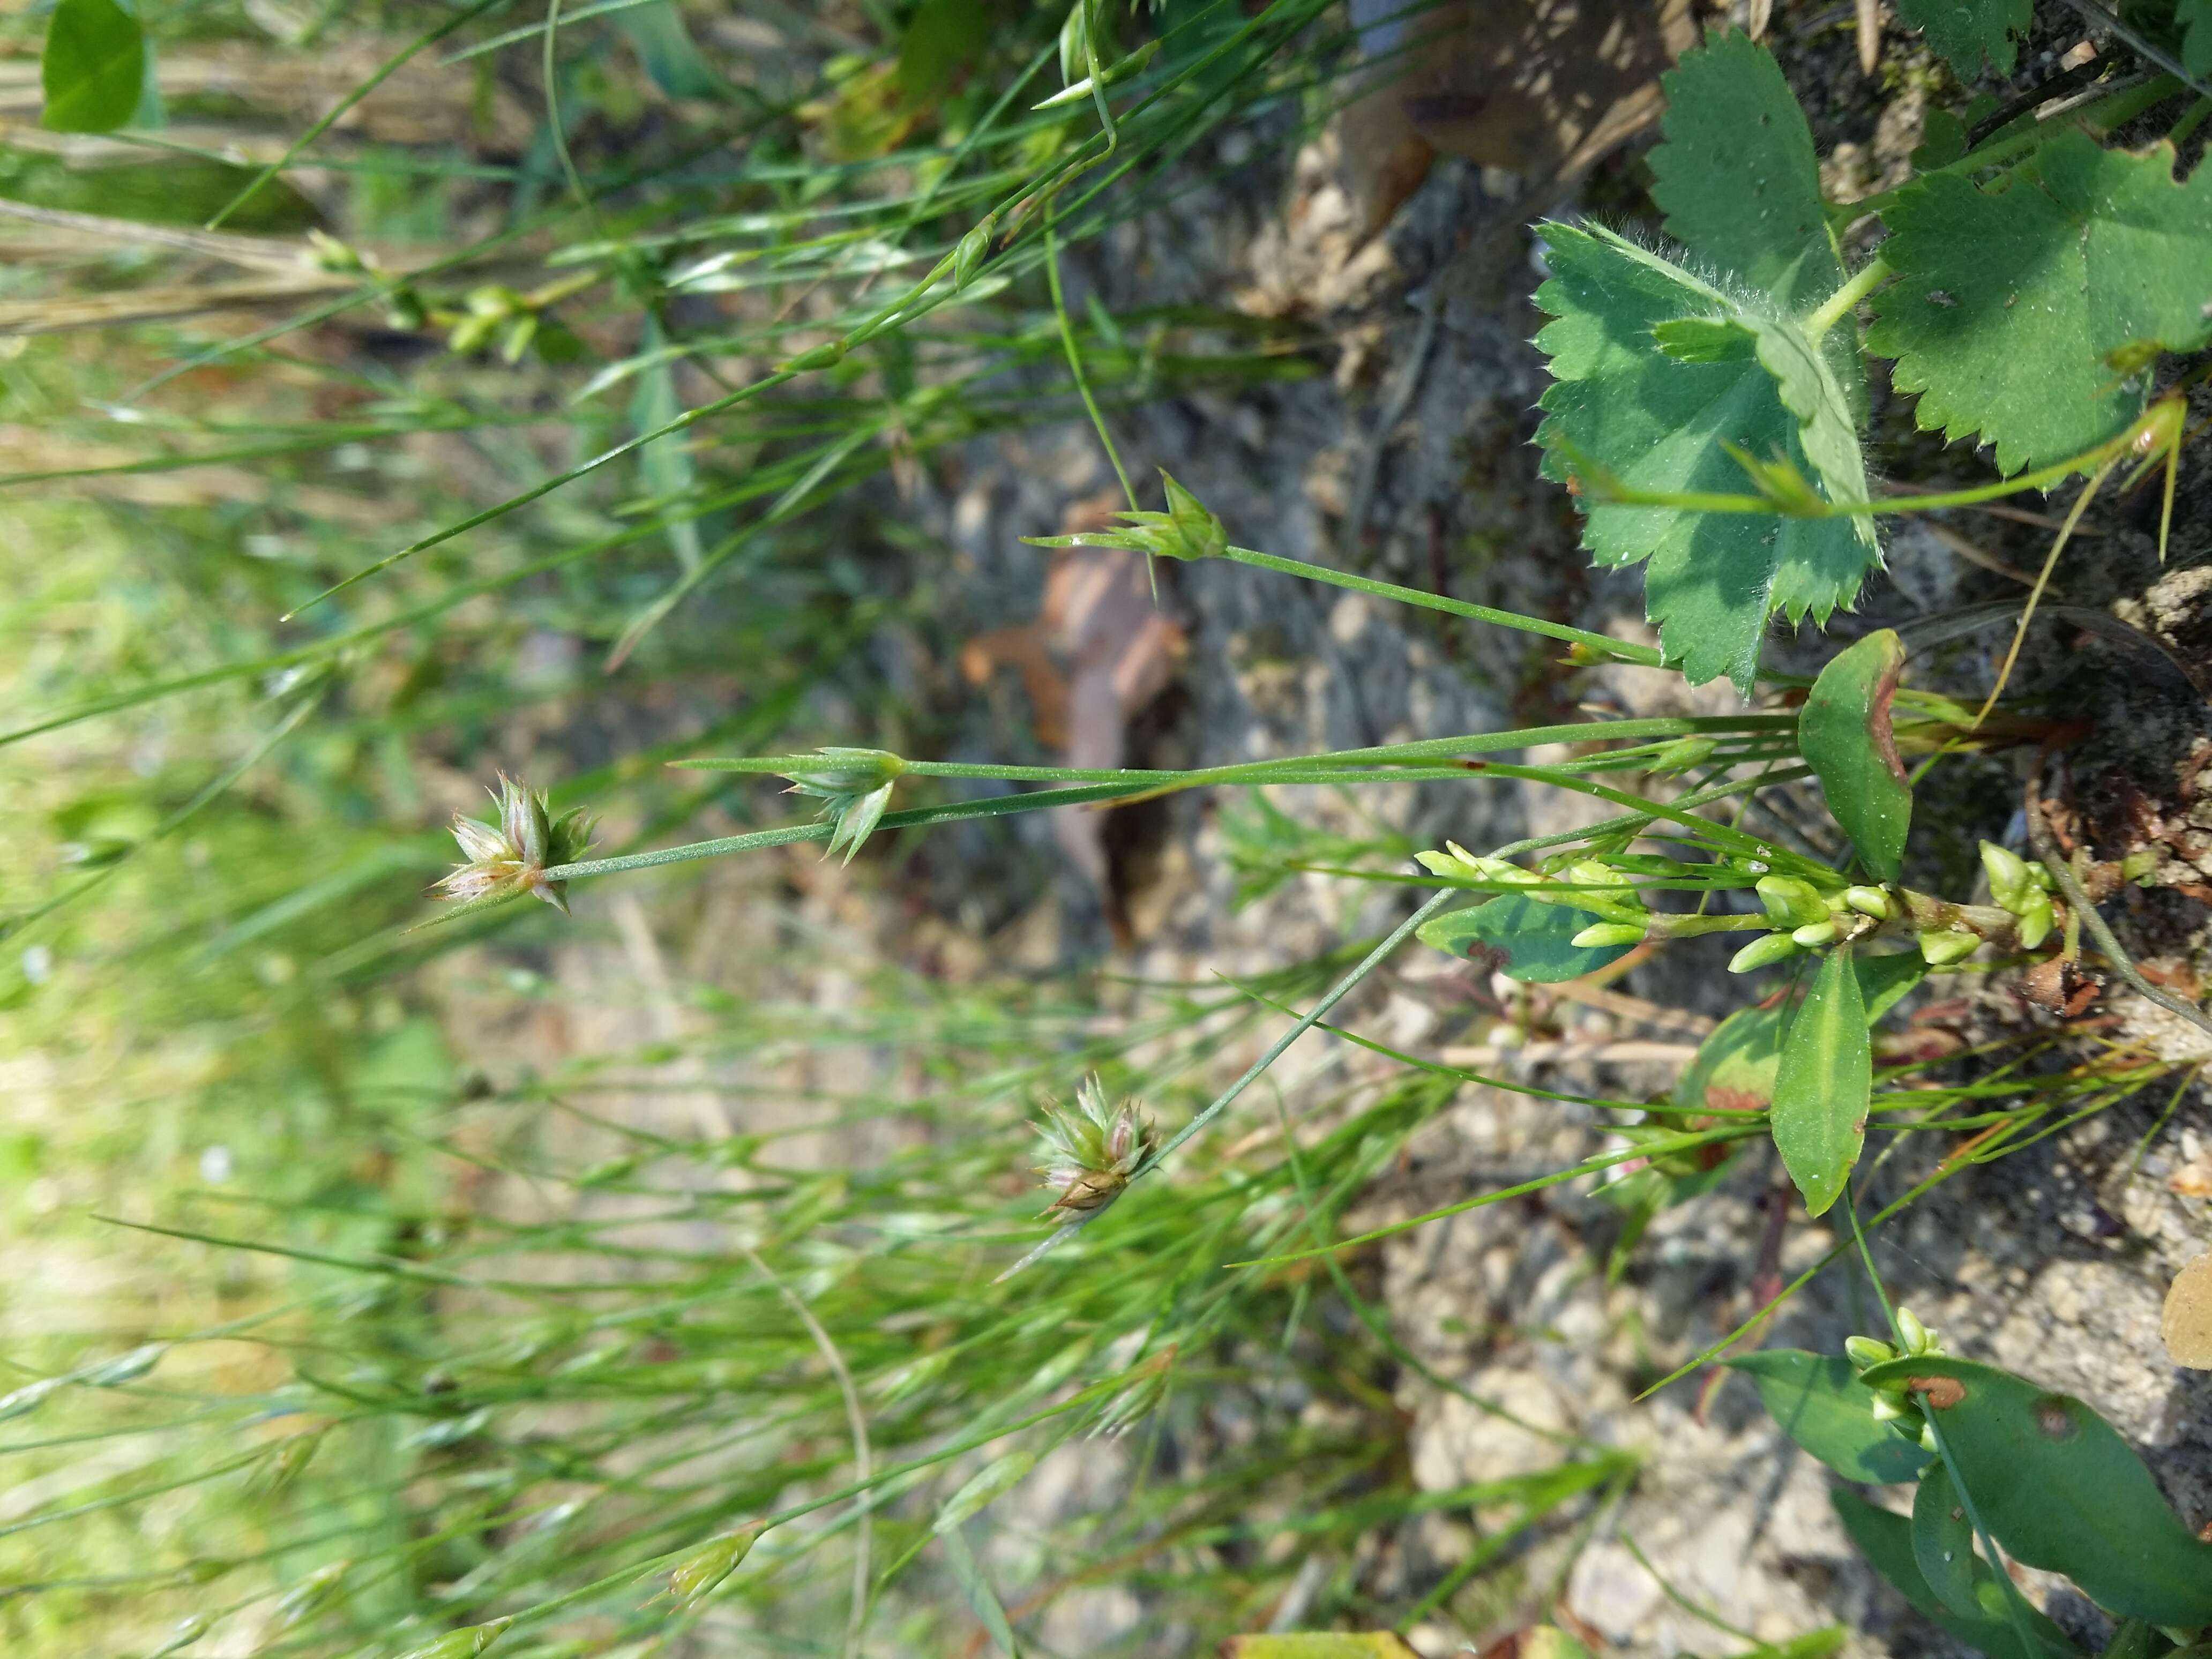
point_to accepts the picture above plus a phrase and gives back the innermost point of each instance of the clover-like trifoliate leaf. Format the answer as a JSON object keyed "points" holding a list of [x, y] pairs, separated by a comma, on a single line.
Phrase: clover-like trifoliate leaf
{"points": [[1655, 371], [2031, 314], [1737, 178], [1967, 31]]}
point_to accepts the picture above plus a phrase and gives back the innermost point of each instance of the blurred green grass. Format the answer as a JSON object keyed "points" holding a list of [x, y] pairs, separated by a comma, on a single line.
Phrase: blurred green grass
{"points": [[348, 1302]]}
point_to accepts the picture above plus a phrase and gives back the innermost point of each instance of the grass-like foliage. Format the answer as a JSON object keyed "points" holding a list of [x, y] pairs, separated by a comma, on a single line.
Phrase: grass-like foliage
{"points": [[581, 430]]}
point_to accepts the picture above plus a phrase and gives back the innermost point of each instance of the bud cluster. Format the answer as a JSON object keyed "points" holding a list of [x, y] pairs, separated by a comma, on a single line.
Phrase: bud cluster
{"points": [[854, 786], [1587, 884], [1092, 1151], [1806, 918], [2022, 888], [510, 858], [1893, 1401], [1186, 531]]}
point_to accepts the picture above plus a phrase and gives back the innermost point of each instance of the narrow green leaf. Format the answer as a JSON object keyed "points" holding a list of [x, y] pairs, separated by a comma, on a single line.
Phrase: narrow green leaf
{"points": [[968, 1573], [1843, 733], [1377, 1644], [94, 67], [996, 1478], [2137, 1639], [1820, 1402], [1534, 941], [670, 57], [1661, 422], [1886, 1540], [1944, 1541], [1967, 31], [1824, 1084], [1737, 177], [2032, 313], [2039, 1466]]}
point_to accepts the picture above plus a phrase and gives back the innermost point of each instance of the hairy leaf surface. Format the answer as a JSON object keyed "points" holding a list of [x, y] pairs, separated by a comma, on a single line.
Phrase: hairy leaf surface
{"points": [[1967, 31], [2030, 312], [1654, 408], [1737, 177]]}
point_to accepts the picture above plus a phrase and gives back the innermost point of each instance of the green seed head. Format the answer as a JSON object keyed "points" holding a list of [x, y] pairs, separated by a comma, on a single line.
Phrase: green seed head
{"points": [[2009, 881], [1814, 934], [1599, 935]]}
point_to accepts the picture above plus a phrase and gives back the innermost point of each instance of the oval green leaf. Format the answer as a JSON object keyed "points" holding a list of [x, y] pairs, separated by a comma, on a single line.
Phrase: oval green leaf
{"points": [[1819, 1403], [1944, 1541], [2059, 1489], [1824, 1083], [94, 67], [1886, 1540], [1536, 941], [1844, 732]]}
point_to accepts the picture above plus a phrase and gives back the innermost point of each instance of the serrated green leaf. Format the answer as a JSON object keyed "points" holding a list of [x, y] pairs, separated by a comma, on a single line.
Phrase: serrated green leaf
{"points": [[1967, 31], [2038, 1465], [92, 68], [1944, 1542], [1819, 1403], [1824, 1083], [1660, 423], [2028, 312], [1536, 940], [1886, 1540], [1737, 177], [1844, 732]]}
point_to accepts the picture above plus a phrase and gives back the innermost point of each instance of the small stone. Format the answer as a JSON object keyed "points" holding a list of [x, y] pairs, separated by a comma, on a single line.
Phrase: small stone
{"points": [[2187, 1323]]}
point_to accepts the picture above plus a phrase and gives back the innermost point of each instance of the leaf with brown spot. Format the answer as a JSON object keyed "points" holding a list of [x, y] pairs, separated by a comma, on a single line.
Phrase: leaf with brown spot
{"points": [[2058, 1488], [1844, 735]]}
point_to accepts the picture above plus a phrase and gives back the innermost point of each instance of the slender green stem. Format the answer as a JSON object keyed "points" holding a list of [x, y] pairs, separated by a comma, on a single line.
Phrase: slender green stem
{"points": [[1474, 742], [1839, 305], [1619, 650], [383, 72], [1074, 351]]}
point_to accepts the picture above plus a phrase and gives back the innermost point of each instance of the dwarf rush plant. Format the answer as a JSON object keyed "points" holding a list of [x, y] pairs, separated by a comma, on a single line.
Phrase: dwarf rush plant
{"points": [[576, 412]]}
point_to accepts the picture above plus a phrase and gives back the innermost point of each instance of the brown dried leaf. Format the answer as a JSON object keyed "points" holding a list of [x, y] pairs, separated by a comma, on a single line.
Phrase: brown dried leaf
{"points": [[2187, 1323]]}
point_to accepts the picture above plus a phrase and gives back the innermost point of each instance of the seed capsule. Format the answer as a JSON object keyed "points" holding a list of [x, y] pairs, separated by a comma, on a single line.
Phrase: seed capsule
{"points": [[1942, 948], [1865, 1350], [1790, 902], [1600, 934], [1869, 902], [1762, 952], [1814, 934]]}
